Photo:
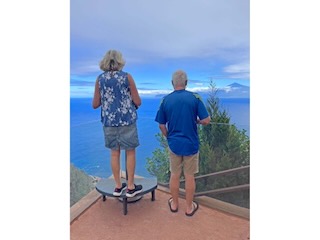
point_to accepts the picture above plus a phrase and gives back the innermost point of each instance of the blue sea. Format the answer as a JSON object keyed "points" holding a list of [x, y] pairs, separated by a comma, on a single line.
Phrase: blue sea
{"points": [[87, 150]]}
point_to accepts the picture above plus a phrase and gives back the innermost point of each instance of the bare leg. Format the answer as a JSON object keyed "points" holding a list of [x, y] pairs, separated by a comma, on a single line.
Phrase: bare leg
{"points": [[115, 166], [190, 189], [174, 189], [131, 165]]}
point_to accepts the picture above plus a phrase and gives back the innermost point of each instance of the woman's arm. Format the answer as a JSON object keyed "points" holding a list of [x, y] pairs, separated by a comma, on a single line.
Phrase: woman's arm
{"points": [[96, 102], [134, 92]]}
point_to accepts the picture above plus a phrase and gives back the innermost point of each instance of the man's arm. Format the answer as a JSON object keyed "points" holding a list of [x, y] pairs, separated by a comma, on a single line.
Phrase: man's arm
{"points": [[163, 129], [204, 121]]}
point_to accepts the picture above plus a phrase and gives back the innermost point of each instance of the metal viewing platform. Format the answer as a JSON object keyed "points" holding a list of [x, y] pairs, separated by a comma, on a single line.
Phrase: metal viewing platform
{"points": [[106, 188]]}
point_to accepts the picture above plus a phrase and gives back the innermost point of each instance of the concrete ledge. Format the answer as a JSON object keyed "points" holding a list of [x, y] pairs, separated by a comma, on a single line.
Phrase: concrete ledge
{"points": [[224, 206], [83, 204], [215, 204], [87, 201]]}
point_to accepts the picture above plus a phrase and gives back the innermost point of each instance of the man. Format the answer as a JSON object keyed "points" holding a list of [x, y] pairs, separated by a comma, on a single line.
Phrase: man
{"points": [[178, 115]]}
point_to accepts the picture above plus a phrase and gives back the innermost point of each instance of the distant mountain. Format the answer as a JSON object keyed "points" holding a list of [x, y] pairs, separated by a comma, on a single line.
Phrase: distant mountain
{"points": [[234, 90], [236, 85]]}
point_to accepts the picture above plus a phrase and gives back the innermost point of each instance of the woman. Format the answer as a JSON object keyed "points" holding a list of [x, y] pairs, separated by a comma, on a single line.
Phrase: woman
{"points": [[116, 93]]}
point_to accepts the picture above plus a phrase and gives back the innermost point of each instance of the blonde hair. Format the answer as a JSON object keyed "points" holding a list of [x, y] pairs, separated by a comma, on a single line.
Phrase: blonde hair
{"points": [[179, 79], [113, 61]]}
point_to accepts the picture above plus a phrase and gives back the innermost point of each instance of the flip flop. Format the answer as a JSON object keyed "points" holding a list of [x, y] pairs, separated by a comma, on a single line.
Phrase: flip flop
{"points": [[195, 207], [169, 203]]}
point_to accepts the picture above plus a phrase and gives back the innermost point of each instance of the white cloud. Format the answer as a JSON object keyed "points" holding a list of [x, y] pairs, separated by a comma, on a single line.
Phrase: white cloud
{"points": [[240, 70], [237, 68], [164, 92], [157, 37], [166, 28], [198, 89], [85, 68], [153, 92]]}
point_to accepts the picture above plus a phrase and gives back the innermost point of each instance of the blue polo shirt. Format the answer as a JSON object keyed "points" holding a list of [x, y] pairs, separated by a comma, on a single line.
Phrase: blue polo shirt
{"points": [[179, 110]]}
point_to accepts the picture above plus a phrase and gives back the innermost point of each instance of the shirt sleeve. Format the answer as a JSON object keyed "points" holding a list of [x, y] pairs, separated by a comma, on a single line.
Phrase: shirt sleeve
{"points": [[161, 115]]}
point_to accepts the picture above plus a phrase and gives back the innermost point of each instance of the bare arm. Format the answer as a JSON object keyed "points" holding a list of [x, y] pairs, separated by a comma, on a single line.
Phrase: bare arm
{"points": [[96, 102], [163, 129], [134, 92], [204, 121]]}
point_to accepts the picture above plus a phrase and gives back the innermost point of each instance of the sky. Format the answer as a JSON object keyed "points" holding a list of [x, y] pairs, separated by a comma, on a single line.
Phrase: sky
{"points": [[209, 39]]}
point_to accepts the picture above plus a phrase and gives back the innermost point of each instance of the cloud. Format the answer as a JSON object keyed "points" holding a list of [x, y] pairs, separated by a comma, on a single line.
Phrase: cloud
{"points": [[240, 70], [86, 68], [76, 80], [207, 38], [236, 68], [148, 30], [154, 92]]}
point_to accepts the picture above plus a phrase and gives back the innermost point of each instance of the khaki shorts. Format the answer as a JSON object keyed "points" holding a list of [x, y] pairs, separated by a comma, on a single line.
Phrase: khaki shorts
{"points": [[189, 164]]}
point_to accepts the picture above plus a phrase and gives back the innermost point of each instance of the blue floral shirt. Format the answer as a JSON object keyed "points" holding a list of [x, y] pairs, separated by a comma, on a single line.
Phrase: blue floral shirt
{"points": [[117, 107]]}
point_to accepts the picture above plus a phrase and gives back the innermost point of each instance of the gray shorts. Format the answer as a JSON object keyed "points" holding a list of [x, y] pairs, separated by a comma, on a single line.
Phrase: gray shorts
{"points": [[123, 137]]}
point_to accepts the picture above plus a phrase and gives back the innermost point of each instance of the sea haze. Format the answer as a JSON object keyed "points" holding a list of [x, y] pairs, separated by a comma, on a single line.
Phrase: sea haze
{"points": [[87, 150]]}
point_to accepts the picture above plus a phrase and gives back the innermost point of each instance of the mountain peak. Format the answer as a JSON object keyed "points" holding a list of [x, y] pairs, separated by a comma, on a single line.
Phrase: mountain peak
{"points": [[235, 85]]}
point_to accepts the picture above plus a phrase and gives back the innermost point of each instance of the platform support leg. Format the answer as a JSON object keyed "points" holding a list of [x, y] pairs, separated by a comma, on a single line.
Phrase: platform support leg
{"points": [[153, 195], [125, 209]]}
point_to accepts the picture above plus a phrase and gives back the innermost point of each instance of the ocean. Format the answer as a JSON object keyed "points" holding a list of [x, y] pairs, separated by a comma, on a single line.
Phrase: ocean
{"points": [[87, 150]]}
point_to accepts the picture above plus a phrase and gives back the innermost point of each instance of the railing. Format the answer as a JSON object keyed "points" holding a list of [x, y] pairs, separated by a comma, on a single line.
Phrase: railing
{"points": [[224, 190]]}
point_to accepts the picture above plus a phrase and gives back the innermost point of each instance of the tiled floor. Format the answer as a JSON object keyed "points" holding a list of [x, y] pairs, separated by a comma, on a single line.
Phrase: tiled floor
{"points": [[153, 220]]}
